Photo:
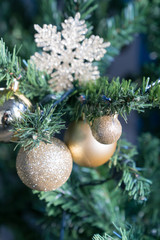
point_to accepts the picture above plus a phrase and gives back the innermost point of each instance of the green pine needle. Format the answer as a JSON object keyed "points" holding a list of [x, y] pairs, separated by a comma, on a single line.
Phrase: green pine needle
{"points": [[104, 98], [37, 126], [136, 186]]}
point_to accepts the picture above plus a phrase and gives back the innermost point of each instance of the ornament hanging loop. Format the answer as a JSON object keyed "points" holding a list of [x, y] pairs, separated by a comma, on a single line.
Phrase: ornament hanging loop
{"points": [[15, 85]]}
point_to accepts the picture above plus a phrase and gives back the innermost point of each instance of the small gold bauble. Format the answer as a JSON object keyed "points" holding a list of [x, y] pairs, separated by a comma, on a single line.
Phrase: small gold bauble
{"points": [[45, 167], [85, 150], [11, 109], [107, 129]]}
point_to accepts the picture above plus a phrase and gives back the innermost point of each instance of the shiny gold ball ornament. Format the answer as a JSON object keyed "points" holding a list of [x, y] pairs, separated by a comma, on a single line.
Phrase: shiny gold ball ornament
{"points": [[45, 167], [107, 129], [85, 149], [11, 109]]}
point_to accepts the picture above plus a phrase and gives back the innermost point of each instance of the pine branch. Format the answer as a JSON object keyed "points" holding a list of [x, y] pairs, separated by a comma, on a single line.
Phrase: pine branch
{"points": [[105, 237], [50, 13], [33, 83], [121, 30], [137, 186], [114, 97], [153, 28], [85, 206], [125, 232], [85, 8], [152, 40], [10, 65], [94, 183], [150, 154], [62, 98], [62, 226], [88, 207], [37, 126], [123, 235]]}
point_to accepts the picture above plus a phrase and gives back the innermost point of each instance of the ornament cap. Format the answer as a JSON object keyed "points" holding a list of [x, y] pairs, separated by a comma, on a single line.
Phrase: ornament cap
{"points": [[15, 85]]}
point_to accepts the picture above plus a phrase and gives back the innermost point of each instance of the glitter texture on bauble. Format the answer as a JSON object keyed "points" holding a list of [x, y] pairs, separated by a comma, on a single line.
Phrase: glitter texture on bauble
{"points": [[45, 167], [106, 129]]}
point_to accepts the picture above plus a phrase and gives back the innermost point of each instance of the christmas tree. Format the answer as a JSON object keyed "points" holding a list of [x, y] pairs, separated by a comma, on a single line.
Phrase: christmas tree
{"points": [[70, 167]]}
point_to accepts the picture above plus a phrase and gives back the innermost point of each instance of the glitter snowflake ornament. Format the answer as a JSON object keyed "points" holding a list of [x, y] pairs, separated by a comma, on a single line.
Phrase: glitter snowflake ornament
{"points": [[68, 55]]}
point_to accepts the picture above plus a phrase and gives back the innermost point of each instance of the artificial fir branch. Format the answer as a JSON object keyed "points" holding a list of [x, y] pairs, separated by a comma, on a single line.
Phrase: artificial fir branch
{"points": [[32, 83], [121, 30], [37, 126], [62, 98], [137, 186], [85, 8], [40, 124], [62, 226], [10, 66], [114, 97], [50, 12], [81, 202], [94, 183], [152, 39], [149, 154], [123, 234]]}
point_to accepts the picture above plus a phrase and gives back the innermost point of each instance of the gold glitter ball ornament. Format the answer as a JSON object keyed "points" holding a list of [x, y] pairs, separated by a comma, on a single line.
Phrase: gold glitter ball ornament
{"points": [[11, 109], [45, 167], [85, 149], [107, 129]]}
